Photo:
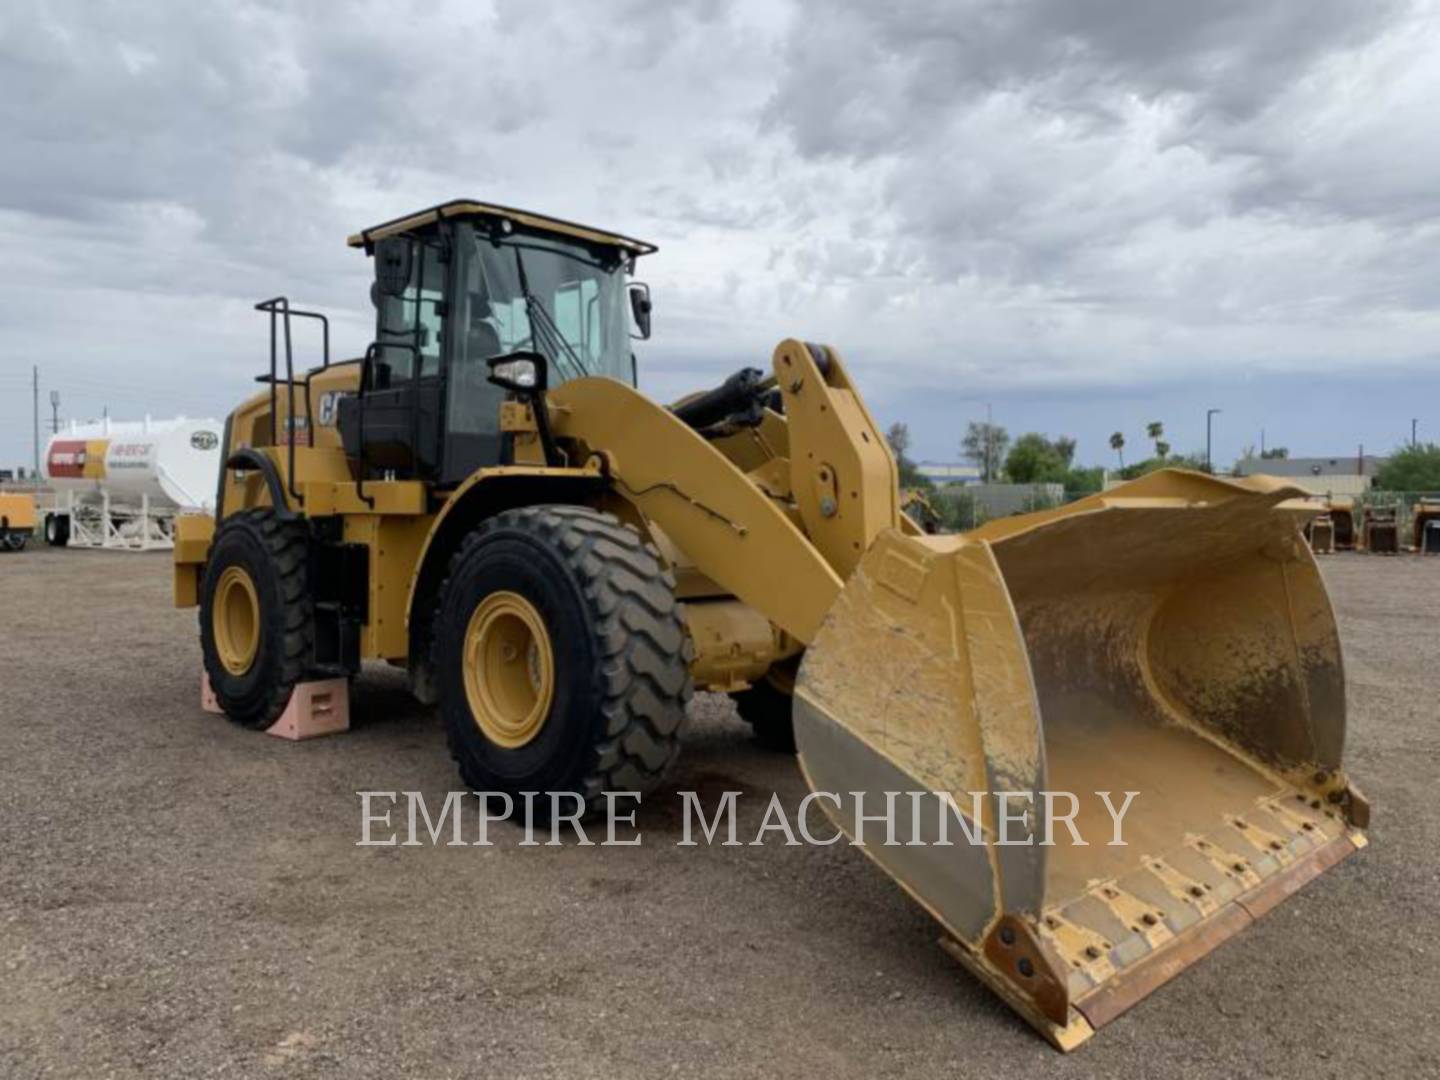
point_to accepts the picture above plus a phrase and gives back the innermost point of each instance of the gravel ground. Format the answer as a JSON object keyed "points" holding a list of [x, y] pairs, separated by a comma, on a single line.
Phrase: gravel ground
{"points": [[179, 897]]}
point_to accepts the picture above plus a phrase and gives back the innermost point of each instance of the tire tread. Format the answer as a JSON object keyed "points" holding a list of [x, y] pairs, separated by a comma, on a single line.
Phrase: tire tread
{"points": [[640, 634], [287, 544]]}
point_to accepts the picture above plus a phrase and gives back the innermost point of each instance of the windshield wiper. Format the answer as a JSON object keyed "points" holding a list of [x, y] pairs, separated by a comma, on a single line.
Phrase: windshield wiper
{"points": [[543, 328]]}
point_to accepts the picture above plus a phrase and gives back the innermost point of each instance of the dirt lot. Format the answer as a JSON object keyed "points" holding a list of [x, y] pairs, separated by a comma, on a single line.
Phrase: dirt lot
{"points": [[179, 897]]}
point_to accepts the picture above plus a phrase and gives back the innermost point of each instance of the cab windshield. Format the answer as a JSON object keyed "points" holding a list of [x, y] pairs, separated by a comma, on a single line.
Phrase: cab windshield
{"points": [[542, 293]]}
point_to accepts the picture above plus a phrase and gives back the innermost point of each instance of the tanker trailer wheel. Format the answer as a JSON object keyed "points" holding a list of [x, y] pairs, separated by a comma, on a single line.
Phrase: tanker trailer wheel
{"points": [[57, 530], [256, 617], [561, 657], [766, 707], [15, 541]]}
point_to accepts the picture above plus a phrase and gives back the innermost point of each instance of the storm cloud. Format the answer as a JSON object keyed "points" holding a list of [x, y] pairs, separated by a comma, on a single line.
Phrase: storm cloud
{"points": [[1012, 201]]}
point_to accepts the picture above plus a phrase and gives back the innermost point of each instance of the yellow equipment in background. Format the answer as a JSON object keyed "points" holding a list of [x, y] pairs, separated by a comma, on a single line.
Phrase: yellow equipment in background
{"points": [[486, 499], [1381, 531], [1425, 526], [919, 509], [1320, 534], [1342, 514], [17, 520]]}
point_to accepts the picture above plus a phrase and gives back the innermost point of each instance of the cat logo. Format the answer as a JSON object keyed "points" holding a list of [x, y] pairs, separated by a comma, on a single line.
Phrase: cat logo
{"points": [[329, 405], [204, 440]]}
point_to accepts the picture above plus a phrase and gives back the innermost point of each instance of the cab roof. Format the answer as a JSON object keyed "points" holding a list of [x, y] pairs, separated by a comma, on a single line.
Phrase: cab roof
{"points": [[470, 208]]}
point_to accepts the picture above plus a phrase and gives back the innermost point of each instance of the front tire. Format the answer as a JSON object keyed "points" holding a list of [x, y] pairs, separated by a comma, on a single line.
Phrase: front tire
{"points": [[561, 657], [256, 615]]}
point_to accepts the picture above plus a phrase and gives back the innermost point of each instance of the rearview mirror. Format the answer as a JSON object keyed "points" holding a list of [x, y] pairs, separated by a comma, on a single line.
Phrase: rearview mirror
{"points": [[392, 265], [640, 307]]}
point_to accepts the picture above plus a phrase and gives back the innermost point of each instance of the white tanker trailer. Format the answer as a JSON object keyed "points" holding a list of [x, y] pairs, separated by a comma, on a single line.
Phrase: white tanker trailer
{"points": [[121, 484]]}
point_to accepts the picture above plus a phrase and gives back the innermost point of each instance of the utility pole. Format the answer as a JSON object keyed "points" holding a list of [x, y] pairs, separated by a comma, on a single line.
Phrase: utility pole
{"points": [[35, 399], [55, 412], [1414, 424], [1209, 415], [1262, 442]]}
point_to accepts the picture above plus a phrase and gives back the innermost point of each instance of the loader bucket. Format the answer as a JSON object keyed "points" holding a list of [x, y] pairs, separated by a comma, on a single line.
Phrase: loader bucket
{"points": [[1171, 638]]}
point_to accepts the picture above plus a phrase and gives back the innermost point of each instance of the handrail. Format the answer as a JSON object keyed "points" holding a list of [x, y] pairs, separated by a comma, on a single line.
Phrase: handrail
{"points": [[277, 306]]}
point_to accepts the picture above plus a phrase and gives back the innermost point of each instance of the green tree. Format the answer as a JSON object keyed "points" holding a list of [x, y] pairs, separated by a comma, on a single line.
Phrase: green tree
{"points": [[984, 445], [1411, 468], [1117, 443], [1162, 448], [958, 511], [1194, 461], [898, 436], [1084, 481], [1275, 453], [1034, 459], [1155, 432]]}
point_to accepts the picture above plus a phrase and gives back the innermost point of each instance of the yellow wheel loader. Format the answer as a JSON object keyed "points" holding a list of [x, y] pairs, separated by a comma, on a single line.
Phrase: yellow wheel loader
{"points": [[486, 499], [17, 520]]}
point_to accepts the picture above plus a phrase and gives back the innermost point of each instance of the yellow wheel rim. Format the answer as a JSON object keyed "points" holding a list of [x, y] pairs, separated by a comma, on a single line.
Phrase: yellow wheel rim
{"points": [[509, 669], [235, 618]]}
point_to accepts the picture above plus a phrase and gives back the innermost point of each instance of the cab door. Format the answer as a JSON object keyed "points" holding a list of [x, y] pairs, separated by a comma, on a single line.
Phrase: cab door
{"points": [[484, 318], [394, 426]]}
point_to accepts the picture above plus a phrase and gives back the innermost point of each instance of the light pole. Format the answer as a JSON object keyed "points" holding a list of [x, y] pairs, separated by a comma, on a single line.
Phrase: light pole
{"points": [[1209, 415], [1414, 424], [989, 443], [35, 391]]}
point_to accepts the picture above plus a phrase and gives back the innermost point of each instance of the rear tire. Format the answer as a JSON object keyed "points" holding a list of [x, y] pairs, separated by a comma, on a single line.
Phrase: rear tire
{"points": [[256, 552], [613, 679], [57, 530], [15, 541], [768, 711]]}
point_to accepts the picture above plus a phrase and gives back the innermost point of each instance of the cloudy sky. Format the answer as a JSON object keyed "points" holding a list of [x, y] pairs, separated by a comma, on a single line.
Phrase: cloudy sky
{"points": [[1087, 214]]}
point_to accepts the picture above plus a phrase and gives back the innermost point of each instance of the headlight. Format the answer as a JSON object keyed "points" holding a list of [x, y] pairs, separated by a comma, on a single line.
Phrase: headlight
{"points": [[517, 372]]}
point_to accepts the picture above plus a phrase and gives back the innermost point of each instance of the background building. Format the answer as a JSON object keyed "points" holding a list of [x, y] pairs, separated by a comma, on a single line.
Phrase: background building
{"points": [[1348, 475], [942, 473]]}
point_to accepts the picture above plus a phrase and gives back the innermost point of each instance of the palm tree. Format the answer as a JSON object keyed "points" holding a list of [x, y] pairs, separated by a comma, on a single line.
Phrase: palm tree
{"points": [[1155, 430], [1117, 443]]}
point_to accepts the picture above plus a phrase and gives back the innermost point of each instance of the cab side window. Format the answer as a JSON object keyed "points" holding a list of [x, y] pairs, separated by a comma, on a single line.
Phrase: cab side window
{"points": [[399, 317]]}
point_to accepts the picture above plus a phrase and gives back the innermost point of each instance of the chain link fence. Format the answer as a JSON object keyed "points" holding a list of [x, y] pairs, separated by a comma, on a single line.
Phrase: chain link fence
{"points": [[963, 508]]}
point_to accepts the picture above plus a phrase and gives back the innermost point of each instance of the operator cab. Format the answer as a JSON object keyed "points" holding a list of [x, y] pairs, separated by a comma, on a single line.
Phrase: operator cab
{"points": [[459, 285]]}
